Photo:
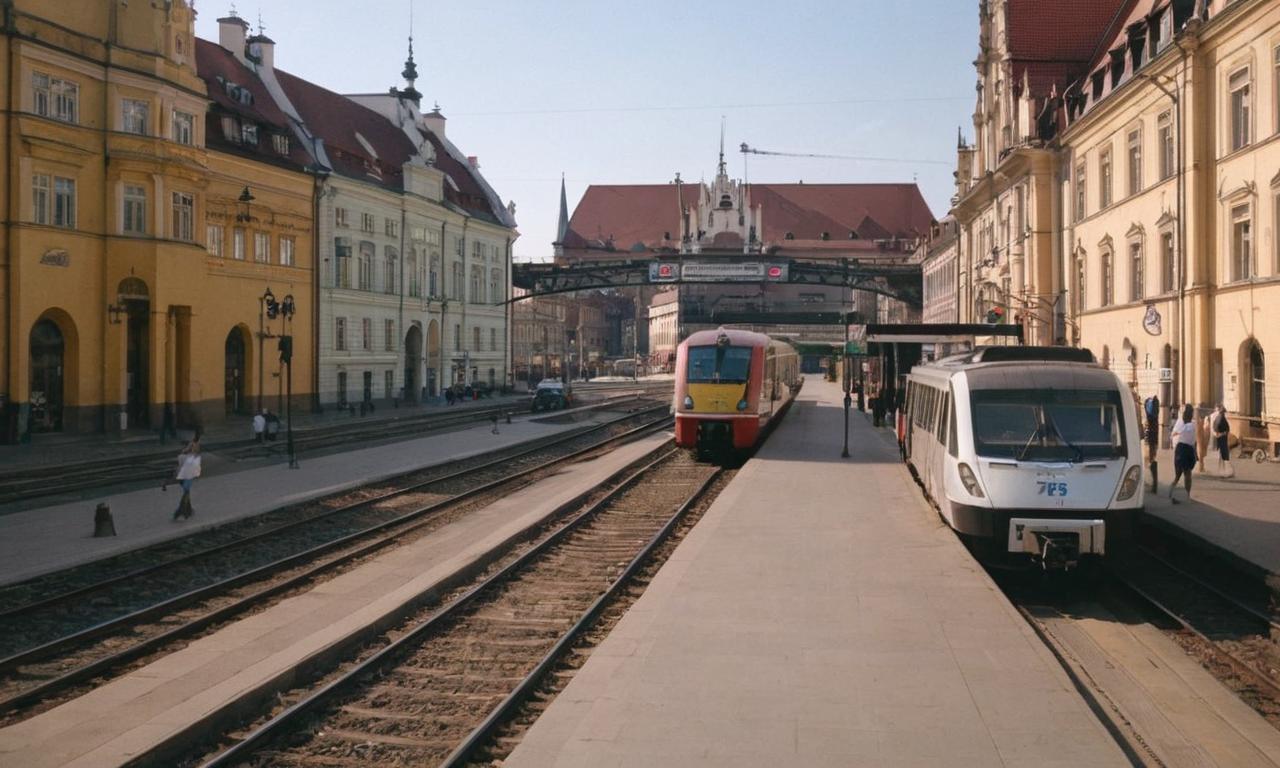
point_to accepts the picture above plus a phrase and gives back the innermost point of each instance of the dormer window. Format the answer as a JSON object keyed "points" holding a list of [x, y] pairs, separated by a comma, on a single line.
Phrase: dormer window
{"points": [[249, 134], [280, 143], [1166, 30]]}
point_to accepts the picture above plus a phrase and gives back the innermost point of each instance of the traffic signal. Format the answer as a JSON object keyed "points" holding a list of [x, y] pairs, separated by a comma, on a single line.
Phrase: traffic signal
{"points": [[273, 308], [286, 349], [994, 315]]}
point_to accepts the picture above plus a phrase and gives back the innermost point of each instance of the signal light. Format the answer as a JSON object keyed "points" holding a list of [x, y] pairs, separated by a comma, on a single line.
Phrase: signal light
{"points": [[775, 272]]}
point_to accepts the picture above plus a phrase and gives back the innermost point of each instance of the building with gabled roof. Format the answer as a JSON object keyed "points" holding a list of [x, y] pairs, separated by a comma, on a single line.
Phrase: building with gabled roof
{"points": [[413, 245]]}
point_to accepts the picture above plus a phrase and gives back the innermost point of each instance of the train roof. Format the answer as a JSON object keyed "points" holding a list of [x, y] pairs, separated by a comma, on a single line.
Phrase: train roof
{"points": [[1007, 367], [737, 338]]}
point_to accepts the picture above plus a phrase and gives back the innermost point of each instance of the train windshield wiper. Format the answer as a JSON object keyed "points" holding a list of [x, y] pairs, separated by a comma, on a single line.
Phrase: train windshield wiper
{"points": [[1022, 454], [1079, 452]]}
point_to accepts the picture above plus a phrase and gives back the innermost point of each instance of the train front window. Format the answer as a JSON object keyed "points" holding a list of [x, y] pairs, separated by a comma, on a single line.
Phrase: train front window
{"points": [[1048, 424], [719, 364]]}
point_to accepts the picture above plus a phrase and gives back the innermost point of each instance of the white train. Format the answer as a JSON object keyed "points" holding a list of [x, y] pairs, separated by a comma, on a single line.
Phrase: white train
{"points": [[1030, 453]]}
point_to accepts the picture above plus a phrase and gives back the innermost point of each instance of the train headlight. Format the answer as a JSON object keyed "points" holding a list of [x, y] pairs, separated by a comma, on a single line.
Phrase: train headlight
{"points": [[688, 401], [742, 404], [1129, 485], [970, 481]]}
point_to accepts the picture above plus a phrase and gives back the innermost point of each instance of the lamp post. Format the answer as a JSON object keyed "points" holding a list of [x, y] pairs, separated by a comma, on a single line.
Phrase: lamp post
{"points": [[267, 309], [287, 309]]}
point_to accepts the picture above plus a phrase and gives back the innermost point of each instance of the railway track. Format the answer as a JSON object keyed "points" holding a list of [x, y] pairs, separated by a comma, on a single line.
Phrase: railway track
{"points": [[435, 690], [36, 482], [1235, 639], [55, 643]]}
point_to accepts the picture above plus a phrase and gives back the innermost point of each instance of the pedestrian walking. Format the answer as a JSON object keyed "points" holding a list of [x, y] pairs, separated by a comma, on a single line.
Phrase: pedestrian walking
{"points": [[259, 425], [1184, 450], [1151, 409], [1220, 428], [188, 470]]}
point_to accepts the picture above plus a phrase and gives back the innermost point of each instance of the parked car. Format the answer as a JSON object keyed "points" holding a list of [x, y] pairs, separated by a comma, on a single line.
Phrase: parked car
{"points": [[550, 397]]}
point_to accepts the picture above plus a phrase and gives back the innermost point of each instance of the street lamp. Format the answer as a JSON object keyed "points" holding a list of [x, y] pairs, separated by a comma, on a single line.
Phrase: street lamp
{"points": [[287, 309], [242, 205]]}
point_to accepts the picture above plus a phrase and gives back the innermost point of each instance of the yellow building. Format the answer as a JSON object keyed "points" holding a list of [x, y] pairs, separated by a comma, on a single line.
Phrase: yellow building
{"points": [[1172, 204], [115, 316]]}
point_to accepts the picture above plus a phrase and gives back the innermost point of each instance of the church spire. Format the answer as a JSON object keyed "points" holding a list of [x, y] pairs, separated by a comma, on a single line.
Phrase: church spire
{"points": [[720, 172], [563, 228]]}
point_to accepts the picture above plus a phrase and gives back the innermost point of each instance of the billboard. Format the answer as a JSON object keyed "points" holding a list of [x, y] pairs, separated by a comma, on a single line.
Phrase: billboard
{"points": [[717, 272]]}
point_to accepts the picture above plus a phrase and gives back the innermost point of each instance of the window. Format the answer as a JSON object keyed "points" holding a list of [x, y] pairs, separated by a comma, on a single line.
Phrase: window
{"points": [[457, 337], [136, 116], [1108, 280], [389, 270], [1080, 190], [135, 210], [342, 387], [1275, 78], [392, 228], [341, 263], [1238, 85], [1164, 139], [262, 247], [230, 129], [184, 127], [1241, 243], [340, 336], [493, 339], [280, 143], [340, 217], [389, 335], [249, 134], [1047, 424], [411, 267], [434, 276], [64, 202], [183, 216], [1167, 263], [1080, 282], [213, 240], [1104, 178], [1135, 161], [237, 244], [55, 97], [286, 251], [389, 383], [475, 339], [1166, 30], [495, 279], [366, 222], [364, 267], [477, 285], [366, 333], [1136, 272], [40, 198], [455, 290]]}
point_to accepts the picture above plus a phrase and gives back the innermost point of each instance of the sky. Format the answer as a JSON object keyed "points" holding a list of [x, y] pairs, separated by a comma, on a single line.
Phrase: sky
{"points": [[633, 92]]}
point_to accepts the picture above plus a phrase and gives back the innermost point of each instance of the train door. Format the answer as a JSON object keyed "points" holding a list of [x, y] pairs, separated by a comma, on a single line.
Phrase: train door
{"points": [[938, 459]]}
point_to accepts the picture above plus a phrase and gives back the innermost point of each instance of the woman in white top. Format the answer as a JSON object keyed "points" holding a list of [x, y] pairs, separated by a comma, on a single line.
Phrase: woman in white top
{"points": [[1184, 450], [188, 470]]}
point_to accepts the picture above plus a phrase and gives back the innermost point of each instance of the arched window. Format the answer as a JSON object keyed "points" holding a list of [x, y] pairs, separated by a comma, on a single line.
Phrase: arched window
{"points": [[390, 269], [1108, 279], [47, 348], [1254, 376], [365, 266]]}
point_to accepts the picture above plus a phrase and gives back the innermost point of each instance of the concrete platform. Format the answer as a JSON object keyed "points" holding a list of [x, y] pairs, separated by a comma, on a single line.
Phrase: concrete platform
{"points": [[820, 615], [169, 701], [50, 538]]}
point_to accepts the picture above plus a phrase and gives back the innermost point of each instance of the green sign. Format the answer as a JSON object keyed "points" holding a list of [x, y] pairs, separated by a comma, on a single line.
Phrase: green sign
{"points": [[853, 347]]}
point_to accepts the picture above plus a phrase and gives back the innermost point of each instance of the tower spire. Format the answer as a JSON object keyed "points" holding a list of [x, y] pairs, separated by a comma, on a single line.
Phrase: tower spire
{"points": [[563, 228], [720, 168], [410, 73]]}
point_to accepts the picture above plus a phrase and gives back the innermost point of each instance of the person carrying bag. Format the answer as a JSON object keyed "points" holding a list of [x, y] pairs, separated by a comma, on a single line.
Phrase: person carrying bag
{"points": [[1221, 440], [189, 467]]}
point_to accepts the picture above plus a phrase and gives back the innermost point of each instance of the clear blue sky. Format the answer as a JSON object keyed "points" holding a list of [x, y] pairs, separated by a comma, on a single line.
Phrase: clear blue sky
{"points": [[630, 91]]}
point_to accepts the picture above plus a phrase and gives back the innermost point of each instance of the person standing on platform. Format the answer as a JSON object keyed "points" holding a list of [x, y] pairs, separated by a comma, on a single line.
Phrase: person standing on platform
{"points": [[188, 470], [1151, 408], [259, 425], [1220, 428], [1184, 450]]}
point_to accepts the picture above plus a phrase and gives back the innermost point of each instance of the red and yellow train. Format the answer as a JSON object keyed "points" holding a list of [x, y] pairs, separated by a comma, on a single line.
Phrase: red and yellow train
{"points": [[729, 385]]}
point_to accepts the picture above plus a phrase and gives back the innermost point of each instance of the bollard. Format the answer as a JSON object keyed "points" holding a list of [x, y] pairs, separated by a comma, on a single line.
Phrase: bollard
{"points": [[508, 417], [495, 423], [103, 525]]}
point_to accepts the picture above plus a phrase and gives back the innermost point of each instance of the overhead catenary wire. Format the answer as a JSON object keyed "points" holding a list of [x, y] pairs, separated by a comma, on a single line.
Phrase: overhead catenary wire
{"points": [[697, 107], [747, 150]]}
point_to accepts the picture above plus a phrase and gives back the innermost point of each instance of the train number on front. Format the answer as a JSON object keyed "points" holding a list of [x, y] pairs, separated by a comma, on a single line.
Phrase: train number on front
{"points": [[1052, 489]]}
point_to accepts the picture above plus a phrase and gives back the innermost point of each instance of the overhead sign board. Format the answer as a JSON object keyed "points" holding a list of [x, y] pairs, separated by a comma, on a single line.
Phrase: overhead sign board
{"points": [[717, 272]]}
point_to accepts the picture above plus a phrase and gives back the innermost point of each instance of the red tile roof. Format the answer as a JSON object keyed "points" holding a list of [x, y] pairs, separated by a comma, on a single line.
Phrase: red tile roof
{"points": [[337, 120], [1053, 41], [218, 68], [631, 214]]}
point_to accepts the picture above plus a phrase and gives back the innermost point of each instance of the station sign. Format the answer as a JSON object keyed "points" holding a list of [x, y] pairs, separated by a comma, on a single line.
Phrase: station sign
{"points": [[717, 272]]}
